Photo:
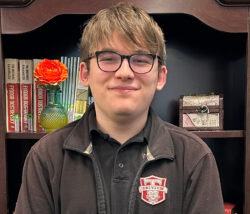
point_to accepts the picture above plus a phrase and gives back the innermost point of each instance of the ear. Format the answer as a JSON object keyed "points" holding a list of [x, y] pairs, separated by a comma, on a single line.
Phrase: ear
{"points": [[162, 78], [84, 74]]}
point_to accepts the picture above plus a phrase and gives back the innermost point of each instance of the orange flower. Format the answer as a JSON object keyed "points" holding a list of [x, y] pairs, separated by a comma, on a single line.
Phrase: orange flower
{"points": [[50, 72]]}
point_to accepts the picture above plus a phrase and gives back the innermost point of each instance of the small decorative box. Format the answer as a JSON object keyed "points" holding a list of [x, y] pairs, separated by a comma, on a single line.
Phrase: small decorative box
{"points": [[201, 112]]}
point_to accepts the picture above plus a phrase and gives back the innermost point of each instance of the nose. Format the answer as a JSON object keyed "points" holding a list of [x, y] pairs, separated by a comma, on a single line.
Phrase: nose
{"points": [[124, 72]]}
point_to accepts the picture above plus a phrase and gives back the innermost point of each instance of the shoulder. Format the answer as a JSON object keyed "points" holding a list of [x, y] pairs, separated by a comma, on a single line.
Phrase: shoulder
{"points": [[183, 145], [186, 139], [179, 137], [52, 143], [73, 136], [189, 148]]}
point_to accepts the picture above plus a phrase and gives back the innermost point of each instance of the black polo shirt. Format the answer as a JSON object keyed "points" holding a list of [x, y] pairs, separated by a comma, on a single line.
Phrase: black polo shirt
{"points": [[118, 162]]}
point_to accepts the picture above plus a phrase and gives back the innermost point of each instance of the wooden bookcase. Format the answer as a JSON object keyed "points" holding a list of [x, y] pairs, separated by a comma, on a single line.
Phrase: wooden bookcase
{"points": [[207, 51]]}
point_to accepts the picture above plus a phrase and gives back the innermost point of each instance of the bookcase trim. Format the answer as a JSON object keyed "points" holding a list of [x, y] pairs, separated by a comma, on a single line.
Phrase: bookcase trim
{"points": [[15, 3], [16, 20], [234, 3]]}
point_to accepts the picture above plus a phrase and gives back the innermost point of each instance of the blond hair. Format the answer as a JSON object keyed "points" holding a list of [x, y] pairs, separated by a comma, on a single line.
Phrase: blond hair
{"points": [[133, 23]]}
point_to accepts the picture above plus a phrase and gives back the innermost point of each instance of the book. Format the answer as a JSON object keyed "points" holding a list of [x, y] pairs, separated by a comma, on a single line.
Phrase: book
{"points": [[76, 62], [64, 84], [26, 84], [39, 101], [12, 84], [67, 83], [68, 87], [81, 96], [229, 208], [69, 91], [73, 86], [75, 96]]}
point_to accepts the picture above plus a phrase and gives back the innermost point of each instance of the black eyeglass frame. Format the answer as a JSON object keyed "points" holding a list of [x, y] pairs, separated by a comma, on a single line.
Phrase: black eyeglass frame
{"points": [[97, 53]]}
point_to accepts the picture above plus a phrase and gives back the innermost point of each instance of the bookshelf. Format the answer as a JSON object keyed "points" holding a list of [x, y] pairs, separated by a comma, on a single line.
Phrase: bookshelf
{"points": [[201, 43]]}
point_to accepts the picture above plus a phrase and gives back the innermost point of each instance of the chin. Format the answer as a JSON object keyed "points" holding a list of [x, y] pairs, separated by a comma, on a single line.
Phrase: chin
{"points": [[124, 110]]}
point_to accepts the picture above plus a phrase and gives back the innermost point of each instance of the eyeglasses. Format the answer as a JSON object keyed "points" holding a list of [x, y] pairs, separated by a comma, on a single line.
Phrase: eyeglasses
{"points": [[109, 61]]}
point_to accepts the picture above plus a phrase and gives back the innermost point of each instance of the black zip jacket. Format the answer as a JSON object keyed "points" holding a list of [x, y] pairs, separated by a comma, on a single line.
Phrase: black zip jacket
{"points": [[61, 174]]}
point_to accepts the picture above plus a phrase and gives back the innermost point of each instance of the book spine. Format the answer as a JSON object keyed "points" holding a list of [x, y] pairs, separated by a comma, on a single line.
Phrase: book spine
{"points": [[81, 98], [39, 101], [67, 84], [77, 66], [229, 208], [73, 88], [12, 84], [26, 83], [64, 85]]}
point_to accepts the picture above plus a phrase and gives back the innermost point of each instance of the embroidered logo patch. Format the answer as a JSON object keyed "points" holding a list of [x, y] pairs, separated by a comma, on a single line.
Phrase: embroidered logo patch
{"points": [[153, 189]]}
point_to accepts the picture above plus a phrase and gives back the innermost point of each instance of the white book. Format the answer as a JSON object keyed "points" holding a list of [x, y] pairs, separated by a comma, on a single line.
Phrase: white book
{"points": [[26, 84], [12, 85]]}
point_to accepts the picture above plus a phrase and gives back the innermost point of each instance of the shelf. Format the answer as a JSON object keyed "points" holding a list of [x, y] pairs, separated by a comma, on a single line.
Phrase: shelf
{"points": [[220, 134], [202, 134], [27, 135]]}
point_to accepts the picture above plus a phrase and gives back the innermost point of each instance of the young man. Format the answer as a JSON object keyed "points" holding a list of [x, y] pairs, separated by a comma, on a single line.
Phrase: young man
{"points": [[121, 157]]}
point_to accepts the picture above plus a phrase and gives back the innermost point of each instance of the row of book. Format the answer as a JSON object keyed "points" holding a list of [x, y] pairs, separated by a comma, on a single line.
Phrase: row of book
{"points": [[75, 96], [25, 100]]}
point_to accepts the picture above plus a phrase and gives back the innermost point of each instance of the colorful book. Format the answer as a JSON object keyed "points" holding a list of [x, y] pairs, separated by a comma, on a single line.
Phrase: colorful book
{"points": [[12, 84], [64, 84], [81, 97], [229, 208], [39, 101], [26, 84], [73, 85], [62, 59], [69, 89]]}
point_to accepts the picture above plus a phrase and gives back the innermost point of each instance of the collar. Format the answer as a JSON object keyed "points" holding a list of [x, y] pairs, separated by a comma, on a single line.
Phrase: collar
{"points": [[160, 143], [160, 140], [142, 136]]}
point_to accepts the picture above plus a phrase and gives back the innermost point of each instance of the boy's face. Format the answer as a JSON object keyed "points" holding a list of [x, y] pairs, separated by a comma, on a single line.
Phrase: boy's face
{"points": [[122, 93]]}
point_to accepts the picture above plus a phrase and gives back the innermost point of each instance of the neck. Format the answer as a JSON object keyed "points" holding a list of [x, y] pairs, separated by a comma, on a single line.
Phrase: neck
{"points": [[123, 127]]}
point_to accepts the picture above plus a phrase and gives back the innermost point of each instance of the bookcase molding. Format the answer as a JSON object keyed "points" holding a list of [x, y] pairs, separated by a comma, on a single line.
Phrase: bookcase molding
{"points": [[15, 3], [3, 157], [18, 21], [26, 19], [234, 3]]}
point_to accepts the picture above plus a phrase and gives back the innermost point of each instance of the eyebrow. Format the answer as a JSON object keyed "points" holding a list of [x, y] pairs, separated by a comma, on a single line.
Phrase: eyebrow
{"points": [[139, 51]]}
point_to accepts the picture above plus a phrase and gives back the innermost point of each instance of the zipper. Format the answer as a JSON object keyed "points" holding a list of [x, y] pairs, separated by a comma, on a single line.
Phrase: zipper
{"points": [[102, 206], [100, 194]]}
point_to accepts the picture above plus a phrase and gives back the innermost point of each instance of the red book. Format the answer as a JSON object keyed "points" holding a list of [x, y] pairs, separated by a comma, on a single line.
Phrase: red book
{"points": [[12, 84], [26, 81], [39, 101], [229, 208]]}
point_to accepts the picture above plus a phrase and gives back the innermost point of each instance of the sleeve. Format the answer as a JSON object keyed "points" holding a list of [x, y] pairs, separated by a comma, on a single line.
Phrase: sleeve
{"points": [[35, 192], [203, 192]]}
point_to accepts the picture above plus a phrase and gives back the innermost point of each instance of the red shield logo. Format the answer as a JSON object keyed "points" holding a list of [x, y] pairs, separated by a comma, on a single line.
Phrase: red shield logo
{"points": [[153, 189]]}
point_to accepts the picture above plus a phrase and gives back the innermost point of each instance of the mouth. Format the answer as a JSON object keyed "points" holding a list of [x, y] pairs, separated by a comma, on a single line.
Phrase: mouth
{"points": [[123, 89]]}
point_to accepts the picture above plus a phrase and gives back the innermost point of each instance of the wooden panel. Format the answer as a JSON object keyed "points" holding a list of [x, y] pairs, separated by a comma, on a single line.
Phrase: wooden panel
{"points": [[19, 20], [25, 135], [247, 141], [220, 134], [3, 164], [15, 3], [202, 134], [234, 2]]}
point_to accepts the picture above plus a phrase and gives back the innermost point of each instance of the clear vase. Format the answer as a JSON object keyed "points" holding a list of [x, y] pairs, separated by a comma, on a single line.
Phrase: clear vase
{"points": [[54, 115]]}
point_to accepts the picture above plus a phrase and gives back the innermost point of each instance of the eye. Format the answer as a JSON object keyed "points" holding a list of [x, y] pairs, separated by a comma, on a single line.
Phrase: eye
{"points": [[108, 57], [141, 59]]}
